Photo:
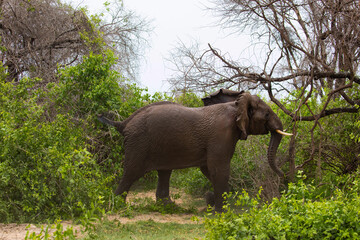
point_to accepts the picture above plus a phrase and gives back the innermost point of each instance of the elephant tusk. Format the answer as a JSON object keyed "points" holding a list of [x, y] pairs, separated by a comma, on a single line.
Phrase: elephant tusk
{"points": [[283, 133]]}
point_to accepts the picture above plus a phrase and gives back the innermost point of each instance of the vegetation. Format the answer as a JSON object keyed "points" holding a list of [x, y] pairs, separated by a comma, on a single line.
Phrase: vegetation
{"points": [[55, 160], [52, 133], [302, 212]]}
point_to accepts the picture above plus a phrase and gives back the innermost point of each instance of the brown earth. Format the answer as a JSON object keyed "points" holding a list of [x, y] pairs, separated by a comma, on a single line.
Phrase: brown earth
{"points": [[15, 231]]}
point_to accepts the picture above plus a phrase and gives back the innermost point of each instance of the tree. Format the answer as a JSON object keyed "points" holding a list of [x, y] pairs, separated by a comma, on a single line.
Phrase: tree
{"points": [[309, 50], [41, 35]]}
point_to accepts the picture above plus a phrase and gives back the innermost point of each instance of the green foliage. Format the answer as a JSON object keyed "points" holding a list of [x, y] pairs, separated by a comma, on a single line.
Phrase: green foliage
{"points": [[58, 234], [356, 135], [52, 143], [329, 146], [45, 166], [91, 86], [250, 164], [300, 213], [192, 181], [189, 99], [135, 98], [2, 69]]}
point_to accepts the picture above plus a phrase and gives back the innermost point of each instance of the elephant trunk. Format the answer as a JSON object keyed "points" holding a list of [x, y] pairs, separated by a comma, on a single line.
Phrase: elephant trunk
{"points": [[273, 146]]}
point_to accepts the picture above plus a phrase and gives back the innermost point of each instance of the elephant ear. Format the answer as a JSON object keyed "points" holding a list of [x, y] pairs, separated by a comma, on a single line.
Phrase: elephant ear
{"points": [[221, 96], [242, 118]]}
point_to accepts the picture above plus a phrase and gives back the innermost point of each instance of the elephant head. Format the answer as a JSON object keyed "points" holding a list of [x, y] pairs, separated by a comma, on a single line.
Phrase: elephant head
{"points": [[255, 117]]}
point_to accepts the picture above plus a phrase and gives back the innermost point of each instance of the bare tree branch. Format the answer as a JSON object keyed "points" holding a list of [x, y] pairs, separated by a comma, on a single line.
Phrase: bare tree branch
{"points": [[310, 52], [41, 35]]}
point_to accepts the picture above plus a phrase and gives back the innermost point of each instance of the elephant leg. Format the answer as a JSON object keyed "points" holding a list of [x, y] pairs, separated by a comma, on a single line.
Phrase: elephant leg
{"points": [[220, 188], [128, 178], [162, 191], [134, 168], [205, 171], [209, 196], [220, 181]]}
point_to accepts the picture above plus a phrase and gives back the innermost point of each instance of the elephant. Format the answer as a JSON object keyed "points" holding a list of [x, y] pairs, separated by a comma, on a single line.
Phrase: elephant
{"points": [[165, 136]]}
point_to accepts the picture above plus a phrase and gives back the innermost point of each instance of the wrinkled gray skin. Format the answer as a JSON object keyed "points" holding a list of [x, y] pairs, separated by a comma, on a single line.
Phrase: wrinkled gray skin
{"points": [[165, 136]]}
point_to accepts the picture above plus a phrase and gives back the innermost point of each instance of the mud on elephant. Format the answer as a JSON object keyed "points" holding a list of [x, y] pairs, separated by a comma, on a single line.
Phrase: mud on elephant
{"points": [[165, 136]]}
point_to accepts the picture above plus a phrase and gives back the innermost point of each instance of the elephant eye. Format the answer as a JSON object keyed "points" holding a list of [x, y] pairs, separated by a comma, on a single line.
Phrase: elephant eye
{"points": [[267, 115]]}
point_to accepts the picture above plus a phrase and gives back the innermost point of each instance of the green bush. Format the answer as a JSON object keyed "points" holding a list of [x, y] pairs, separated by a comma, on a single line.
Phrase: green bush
{"points": [[91, 86], [189, 99], [56, 159], [192, 181], [46, 169], [301, 213], [330, 147]]}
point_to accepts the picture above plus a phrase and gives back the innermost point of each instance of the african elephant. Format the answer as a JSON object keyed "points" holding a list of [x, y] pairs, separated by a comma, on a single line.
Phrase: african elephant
{"points": [[165, 136]]}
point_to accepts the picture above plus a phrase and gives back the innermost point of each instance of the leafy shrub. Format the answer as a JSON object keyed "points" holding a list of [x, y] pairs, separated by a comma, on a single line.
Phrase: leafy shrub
{"points": [[91, 86], [192, 181], [59, 233], [189, 99], [45, 167], [301, 213], [56, 160], [330, 146], [250, 169]]}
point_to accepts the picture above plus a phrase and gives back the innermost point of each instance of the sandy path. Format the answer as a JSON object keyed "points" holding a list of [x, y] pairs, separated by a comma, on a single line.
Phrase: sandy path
{"points": [[15, 231]]}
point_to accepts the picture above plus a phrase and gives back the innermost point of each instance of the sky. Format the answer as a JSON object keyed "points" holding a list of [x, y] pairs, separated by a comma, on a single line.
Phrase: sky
{"points": [[173, 21]]}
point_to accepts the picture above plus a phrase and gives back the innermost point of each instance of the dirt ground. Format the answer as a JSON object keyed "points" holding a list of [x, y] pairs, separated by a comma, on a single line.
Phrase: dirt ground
{"points": [[15, 231]]}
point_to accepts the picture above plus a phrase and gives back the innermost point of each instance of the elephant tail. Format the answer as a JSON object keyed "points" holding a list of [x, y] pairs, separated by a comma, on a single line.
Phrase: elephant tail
{"points": [[118, 125]]}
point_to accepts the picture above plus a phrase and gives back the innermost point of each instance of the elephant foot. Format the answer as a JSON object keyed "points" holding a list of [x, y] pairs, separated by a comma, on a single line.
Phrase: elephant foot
{"points": [[210, 198]]}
